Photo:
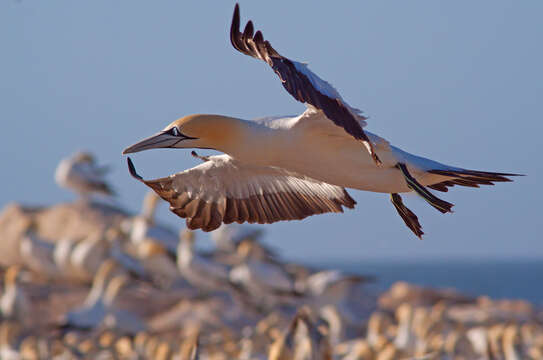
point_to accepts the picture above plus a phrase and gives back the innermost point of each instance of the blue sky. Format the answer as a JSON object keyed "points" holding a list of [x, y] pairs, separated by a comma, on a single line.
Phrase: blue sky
{"points": [[458, 82]]}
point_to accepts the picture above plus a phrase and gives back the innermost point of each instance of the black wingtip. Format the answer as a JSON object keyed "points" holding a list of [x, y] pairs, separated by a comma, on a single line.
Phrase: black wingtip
{"points": [[234, 27], [249, 30], [132, 170], [235, 20]]}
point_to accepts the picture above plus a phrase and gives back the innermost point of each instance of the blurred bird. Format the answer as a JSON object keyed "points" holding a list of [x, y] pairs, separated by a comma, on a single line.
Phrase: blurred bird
{"points": [[99, 299], [8, 336], [201, 272], [62, 256], [246, 247], [303, 340], [14, 303], [376, 329], [288, 168], [190, 348], [38, 255], [357, 349], [124, 347], [330, 286], [81, 174], [157, 263], [123, 321], [283, 348], [266, 282], [457, 345], [405, 337], [479, 340], [28, 348], [143, 227], [228, 236], [511, 343], [334, 324], [88, 255]]}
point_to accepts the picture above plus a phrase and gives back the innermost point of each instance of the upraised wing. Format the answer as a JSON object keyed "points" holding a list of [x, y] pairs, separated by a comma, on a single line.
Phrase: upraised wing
{"points": [[223, 190], [304, 85]]}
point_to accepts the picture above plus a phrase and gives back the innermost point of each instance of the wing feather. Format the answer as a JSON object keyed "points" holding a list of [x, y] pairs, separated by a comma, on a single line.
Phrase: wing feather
{"points": [[300, 82], [223, 190]]}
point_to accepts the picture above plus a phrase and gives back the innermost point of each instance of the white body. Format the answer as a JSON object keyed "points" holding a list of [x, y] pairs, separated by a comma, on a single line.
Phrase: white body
{"points": [[312, 145]]}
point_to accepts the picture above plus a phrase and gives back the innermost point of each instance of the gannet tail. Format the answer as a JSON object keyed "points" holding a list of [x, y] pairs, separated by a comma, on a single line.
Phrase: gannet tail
{"points": [[470, 178]]}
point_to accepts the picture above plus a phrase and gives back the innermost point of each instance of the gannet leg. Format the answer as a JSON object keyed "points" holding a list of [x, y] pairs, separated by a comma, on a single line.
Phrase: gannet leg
{"points": [[441, 205], [409, 217], [203, 158]]}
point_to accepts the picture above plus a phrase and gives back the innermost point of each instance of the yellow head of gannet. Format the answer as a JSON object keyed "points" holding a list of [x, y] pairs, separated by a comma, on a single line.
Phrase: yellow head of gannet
{"points": [[204, 131]]}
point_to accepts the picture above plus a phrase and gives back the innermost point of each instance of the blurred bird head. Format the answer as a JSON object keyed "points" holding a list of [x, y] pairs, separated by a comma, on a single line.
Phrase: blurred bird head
{"points": [[12, 275], [187, 236], [83, 157]]}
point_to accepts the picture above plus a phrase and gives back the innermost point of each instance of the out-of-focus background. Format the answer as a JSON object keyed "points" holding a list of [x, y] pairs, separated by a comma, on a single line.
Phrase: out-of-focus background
{"points": [[458, 83]]}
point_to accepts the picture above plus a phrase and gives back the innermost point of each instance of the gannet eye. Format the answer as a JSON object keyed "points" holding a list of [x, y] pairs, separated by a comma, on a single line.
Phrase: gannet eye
{"points": [[175, 131]]}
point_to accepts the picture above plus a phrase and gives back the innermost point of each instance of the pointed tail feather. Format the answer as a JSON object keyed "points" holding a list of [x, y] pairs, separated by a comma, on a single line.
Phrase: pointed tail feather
{"points": [[470, 178]]}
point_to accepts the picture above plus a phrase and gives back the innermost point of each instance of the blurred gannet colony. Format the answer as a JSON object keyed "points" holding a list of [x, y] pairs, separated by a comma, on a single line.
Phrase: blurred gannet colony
{"points": [[88, 280]]}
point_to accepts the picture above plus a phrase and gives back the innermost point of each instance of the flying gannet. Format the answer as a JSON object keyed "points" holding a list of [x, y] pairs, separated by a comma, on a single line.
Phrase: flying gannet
{"points": [[286, 168]]}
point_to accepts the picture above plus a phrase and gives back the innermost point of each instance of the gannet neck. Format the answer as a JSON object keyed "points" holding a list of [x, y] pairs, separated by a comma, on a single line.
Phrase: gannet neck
{"points": [[150, 202], [113, 289], [217, 132], [185, 253], [11, 276], [99, 283]]}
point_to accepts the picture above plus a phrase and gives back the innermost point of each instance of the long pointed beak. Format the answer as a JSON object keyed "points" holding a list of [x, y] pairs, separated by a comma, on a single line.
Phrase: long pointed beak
{"points": [[160, 140]]}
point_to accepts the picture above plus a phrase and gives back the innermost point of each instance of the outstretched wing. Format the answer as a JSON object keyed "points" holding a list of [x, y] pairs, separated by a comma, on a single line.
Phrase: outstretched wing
{"points": [[304, 85], [223, 190]]}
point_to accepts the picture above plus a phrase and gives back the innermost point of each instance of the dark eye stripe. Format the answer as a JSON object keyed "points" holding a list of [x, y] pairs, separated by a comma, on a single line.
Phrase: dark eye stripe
{"points": [[175, 132]]}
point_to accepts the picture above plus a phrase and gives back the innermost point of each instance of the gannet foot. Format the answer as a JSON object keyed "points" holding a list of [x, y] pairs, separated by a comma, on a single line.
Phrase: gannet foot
{"points": [[409, 217], [441, 205]]}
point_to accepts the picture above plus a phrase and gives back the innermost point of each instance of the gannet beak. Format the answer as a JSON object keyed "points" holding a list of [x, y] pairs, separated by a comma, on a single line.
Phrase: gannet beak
{"points": [[163, 139]]}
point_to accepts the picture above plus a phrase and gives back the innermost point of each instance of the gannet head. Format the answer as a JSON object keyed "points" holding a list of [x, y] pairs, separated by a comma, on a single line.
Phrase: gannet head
{"points": [[193, 131]]}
